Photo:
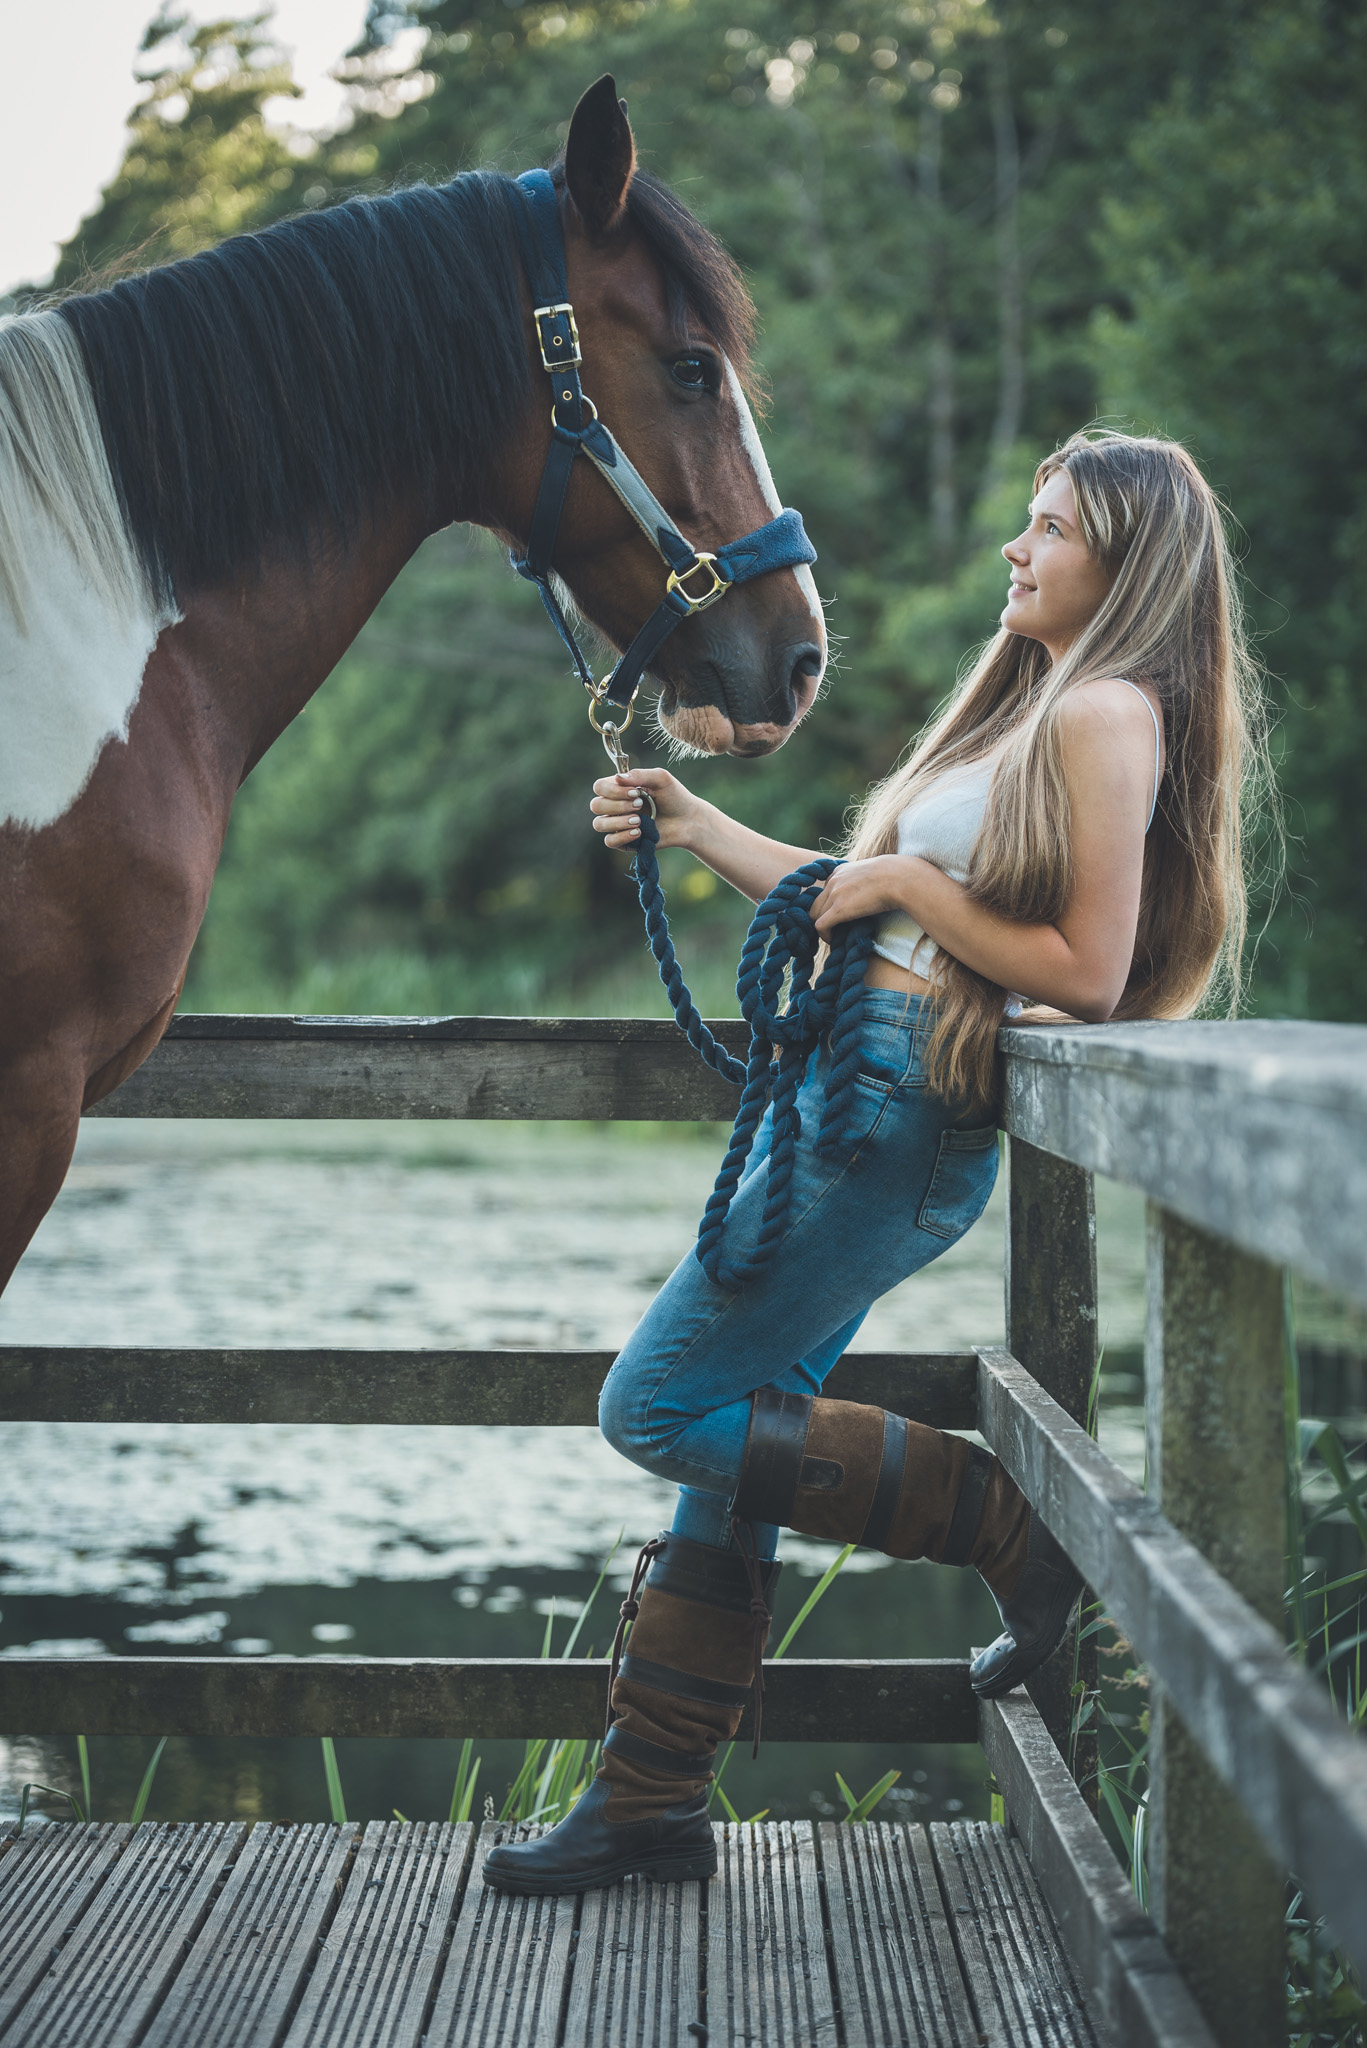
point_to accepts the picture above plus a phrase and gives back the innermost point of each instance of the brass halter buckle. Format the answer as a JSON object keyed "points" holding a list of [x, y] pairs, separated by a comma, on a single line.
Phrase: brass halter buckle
{"points": [[557, 336], [677, 581]]}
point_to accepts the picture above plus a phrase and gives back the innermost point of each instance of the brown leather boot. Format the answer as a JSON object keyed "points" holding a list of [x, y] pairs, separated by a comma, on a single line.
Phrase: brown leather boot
{"points": [[862, 1475], [699, 1625]]}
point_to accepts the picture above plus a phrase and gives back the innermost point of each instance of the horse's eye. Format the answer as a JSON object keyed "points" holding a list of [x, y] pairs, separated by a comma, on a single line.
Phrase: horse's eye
{"points": [[692, 372]]}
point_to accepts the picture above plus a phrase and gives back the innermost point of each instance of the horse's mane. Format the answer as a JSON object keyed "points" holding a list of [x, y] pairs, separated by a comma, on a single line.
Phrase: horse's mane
{"points": [[268, 389]]}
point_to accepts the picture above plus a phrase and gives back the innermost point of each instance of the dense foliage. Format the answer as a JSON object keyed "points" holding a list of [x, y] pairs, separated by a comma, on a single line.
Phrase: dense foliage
{"points": [[969, 226]]}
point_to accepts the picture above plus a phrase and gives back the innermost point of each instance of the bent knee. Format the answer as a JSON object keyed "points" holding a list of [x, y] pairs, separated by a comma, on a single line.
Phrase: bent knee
{"points": [[624, 1417]]}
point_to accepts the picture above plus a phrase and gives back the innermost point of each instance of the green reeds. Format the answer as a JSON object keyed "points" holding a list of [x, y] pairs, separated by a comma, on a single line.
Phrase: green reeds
{"points": [[83, 1808]]}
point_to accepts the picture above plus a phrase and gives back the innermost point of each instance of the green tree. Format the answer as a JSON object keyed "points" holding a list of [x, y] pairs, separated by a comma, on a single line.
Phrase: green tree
{"points": [[201, 162], [1243, 329]]}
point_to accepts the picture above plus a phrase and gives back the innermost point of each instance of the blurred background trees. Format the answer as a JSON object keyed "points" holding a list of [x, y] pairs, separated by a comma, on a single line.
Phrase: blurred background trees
{"points": [[970, 226]]}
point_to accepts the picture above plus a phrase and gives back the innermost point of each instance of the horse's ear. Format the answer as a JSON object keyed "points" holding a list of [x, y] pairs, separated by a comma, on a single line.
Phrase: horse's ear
{"points": [[600, 156]]}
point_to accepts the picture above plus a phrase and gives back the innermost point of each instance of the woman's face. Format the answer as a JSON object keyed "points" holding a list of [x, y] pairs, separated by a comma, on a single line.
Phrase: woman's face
{"points": [[1056, 586]]}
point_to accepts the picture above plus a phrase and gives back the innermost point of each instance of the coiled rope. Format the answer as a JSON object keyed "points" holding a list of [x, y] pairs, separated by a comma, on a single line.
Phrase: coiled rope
{"points": [[780, 946]]}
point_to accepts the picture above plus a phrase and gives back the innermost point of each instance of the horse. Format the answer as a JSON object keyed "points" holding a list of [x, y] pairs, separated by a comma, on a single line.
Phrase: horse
{"points": [[211, 471]]}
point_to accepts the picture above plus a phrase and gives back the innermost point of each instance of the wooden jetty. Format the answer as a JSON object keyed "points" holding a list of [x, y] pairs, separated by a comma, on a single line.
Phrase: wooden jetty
{"points": [[1250, 1141], [221, 1936]]}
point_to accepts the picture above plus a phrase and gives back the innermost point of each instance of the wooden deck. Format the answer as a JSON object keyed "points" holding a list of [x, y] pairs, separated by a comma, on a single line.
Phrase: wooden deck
{"points": [[218, 1935]]}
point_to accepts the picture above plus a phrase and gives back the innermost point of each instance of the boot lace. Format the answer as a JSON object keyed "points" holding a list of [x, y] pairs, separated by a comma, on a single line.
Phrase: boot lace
{"points": [[759, 1614], [628, 1612]]}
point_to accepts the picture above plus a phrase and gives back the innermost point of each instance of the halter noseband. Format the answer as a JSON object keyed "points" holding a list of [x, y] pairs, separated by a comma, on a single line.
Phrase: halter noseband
{"points": [[696, 578]]}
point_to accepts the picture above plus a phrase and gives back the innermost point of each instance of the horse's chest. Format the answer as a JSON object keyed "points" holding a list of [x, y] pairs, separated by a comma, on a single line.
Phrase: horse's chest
{"points": [[68, 684]]}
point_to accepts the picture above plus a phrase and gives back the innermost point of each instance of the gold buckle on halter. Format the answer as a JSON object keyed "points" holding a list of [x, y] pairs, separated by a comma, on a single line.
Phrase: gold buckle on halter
{"points": [[677, 579], [557, 356]]}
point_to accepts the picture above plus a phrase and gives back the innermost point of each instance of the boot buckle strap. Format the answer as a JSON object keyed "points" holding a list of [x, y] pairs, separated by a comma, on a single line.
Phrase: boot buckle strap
{"points": [[968, 1508], [887, 1492], [620, 1742]]}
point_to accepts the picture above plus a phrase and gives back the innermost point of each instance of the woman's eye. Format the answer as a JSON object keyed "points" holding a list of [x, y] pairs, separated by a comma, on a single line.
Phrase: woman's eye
{"points": [[1051, 528], [691, 372]]}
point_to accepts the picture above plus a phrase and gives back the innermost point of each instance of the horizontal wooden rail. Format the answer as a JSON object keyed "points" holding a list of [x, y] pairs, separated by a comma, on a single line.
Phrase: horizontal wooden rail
{"points": [[1257, 1132], [524, 1067], [1111, 1941], [805, 1699], [1266, 1726], [545, 1388]]}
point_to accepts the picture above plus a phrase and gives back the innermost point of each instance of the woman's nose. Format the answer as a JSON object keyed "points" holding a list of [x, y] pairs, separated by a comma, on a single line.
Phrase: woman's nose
{"points": [[1014, 550]]}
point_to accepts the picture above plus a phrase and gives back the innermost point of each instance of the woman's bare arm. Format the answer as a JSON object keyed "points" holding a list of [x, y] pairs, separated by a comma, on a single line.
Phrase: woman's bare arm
{"points": [[1081, 963], [745, 859]]}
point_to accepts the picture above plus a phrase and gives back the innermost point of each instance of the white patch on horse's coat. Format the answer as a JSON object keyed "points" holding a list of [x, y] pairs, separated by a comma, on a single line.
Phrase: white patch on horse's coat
{"points": [[759, 462], [77, 621]]}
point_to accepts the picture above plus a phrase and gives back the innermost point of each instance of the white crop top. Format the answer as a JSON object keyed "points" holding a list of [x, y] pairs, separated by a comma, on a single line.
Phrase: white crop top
{"points": [[942, 825]]}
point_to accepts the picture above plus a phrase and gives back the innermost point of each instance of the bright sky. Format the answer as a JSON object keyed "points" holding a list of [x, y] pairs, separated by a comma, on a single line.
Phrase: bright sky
{"points": [[66, 86]]}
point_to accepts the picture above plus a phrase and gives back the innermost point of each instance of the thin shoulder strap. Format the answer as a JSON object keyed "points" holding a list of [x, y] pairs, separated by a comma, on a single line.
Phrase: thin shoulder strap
{"points": [[1157, 742]]}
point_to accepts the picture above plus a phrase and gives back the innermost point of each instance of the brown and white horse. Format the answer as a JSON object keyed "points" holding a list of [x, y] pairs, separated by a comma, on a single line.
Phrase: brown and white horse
{"points": [[209, 475]]}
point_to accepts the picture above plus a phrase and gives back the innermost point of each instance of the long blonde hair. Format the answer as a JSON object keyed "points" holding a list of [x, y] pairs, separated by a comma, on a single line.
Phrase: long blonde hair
{"points": [[1171, 619]]}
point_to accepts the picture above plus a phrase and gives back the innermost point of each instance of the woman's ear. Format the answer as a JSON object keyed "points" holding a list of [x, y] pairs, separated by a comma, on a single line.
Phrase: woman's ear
{"points": [[600, 156]]}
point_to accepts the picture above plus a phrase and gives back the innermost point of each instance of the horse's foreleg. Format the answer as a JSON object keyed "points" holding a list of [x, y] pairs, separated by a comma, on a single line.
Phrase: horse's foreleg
{"points": [[40, 1114]]}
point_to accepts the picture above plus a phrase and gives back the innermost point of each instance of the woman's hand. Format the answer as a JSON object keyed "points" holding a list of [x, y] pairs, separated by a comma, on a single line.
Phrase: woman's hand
{"points": [[864, 888], [619, 800]]}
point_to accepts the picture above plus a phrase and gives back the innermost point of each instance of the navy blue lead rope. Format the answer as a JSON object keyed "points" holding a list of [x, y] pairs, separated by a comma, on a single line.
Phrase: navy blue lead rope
{"points": [[781, 937]]}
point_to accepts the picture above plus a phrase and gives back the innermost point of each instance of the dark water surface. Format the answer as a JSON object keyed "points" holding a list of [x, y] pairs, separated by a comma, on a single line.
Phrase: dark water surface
{"points": [[405, 1542]]}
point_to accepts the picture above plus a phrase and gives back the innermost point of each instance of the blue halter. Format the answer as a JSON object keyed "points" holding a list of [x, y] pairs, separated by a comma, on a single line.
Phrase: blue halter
{"points": [[696, 578]]}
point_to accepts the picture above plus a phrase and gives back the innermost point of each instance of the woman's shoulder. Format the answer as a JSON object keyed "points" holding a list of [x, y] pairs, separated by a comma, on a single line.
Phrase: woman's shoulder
{"points": [[1110, 700], [1096, 715]]}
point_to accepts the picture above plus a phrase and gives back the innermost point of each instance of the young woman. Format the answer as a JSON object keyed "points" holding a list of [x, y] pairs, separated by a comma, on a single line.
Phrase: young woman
{"points": [[1067, 831]]}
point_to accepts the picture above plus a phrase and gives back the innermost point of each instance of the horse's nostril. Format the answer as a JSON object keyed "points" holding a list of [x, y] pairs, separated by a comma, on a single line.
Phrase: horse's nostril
{"points": [[808, 662]]}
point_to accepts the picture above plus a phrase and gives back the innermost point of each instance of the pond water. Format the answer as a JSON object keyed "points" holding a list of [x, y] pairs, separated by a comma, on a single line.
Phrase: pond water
{"points": [[417, 1542]]}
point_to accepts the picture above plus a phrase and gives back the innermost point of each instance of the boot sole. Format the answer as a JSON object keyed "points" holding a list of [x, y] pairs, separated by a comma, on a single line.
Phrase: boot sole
{"points": [[679, 1870]]}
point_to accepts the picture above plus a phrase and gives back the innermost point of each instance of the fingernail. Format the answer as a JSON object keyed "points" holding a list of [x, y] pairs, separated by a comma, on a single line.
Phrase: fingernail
{"points": [[636, 803]]}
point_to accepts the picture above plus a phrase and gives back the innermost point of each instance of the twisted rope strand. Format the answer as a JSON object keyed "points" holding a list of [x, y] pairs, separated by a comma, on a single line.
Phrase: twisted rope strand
{"points": [[781, 945]]}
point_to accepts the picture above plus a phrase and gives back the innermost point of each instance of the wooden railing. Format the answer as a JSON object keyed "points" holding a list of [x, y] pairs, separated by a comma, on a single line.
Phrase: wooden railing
{"points": [[1251, 1142]]}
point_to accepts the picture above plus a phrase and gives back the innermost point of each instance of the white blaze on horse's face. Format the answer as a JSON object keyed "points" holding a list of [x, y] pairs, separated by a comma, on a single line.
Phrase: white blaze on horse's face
{"points": [[76, 621], [759, 462]]}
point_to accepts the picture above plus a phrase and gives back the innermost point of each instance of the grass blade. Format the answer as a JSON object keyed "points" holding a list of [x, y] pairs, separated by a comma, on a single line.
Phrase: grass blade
{"points": [[827, 1578], [336, 1803], [860, 1809], [568, 1650], [52, 1792], [145, 1788], [83, 1752], [463, 1791]]}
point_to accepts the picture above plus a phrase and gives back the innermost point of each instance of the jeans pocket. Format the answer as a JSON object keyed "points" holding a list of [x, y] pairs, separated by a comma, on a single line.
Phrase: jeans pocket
{"points": [[964, 1176]]}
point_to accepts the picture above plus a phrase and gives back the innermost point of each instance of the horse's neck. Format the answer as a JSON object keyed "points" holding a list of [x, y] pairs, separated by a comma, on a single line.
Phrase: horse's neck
{"points": [[254, 652]]}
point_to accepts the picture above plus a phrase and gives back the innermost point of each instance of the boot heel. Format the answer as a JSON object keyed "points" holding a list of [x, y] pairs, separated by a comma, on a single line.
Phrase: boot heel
{"points": [[687, 1871]]}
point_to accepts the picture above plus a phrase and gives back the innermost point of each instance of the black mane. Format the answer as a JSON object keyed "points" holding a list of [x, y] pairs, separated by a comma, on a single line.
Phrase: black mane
{"points": [[271, 386]]}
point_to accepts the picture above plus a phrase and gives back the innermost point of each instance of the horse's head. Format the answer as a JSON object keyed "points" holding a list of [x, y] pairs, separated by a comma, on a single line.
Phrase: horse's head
{"points": [[664, 324]]}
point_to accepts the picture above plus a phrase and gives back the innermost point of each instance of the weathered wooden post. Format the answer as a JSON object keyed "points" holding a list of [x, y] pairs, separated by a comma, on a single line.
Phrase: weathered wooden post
{"points": [[1051, 1328], [1213, 1376]]}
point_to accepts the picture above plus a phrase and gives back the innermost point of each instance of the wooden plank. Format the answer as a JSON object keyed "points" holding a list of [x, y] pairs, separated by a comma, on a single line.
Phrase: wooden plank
{"points": [[1216, 1467], [637, 1967], [806, 1699], [547, 1389], [1255, 1131], [1265, 1725], [1113, 1946], [1051, 1327], [897, 1974], [767, 1975], [1013, 1959], [543, 1067], [47, 1879], [243, 1978], [503, 1985], [108, 1980], [379, 1963]]}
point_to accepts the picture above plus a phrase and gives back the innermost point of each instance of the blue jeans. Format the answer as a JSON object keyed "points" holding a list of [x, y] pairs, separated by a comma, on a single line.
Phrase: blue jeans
{"points": [[908, 1180]]}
